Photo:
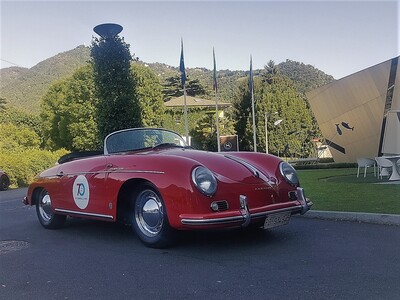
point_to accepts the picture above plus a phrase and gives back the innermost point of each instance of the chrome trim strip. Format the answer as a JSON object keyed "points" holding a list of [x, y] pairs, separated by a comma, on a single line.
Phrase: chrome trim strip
{"points": [[199, 222], [134, 171], [211, 221], [84, 213], [248, 166], [256, 172], [113, 171]]}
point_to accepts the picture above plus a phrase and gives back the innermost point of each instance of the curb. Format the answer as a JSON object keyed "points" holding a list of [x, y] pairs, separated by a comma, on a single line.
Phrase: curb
{"points": [[385, 219]]}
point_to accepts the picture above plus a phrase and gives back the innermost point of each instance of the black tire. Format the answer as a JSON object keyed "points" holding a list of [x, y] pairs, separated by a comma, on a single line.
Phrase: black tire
{"points": [[47, 218], [149, 218], [4, 183]]}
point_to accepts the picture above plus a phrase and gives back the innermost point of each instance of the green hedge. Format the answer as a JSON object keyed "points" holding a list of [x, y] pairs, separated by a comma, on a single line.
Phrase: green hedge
{"points": [[23, 165], [326, 166]]}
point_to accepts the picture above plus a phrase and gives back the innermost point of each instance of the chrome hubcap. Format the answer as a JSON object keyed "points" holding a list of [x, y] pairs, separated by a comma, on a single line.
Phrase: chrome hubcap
{"points": [[45, 208], [149, 213]]}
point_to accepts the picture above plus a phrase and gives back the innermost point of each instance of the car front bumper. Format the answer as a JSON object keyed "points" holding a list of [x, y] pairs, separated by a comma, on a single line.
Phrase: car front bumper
{"points": [[244, 217]]}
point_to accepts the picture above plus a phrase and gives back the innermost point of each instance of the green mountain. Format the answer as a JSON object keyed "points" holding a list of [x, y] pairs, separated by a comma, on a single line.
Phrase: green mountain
{"points": [[305, 77], [10, 75], [24, 88]]}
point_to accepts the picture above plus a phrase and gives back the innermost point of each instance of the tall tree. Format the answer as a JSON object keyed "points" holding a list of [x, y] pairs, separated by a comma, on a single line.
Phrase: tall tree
{"points": [[173, 88], [243, 115], [69, 113], [205, 134], [270, 71], [117, 107], [69, 109], [149, 95], [275, 93]]}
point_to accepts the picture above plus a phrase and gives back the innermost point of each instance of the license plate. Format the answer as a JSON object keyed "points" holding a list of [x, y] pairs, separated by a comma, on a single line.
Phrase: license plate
{"points": [[275, 220]]}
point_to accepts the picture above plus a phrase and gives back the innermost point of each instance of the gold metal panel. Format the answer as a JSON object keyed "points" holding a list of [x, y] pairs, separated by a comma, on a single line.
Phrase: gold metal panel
{"points": [[359, 100]]}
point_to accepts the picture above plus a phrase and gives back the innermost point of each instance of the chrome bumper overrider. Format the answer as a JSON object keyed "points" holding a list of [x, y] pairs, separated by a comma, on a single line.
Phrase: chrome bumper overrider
{"points": [[246, 216], [305, 202]]}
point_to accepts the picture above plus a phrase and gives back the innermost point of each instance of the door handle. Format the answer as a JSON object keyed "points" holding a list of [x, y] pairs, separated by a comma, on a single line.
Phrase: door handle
{"points": [[60, 174]]}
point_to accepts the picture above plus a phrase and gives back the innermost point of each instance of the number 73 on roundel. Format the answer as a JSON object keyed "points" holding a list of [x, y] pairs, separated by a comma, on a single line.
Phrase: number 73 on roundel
{"points": [[149, 178]]}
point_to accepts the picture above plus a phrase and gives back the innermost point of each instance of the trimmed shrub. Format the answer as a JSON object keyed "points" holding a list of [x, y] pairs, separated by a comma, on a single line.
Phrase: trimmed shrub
{"points": [[23, 165], [326, 166]]}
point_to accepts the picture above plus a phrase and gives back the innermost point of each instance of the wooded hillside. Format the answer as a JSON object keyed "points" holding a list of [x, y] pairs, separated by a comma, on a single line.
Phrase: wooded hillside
{"points": [[24, 88]]}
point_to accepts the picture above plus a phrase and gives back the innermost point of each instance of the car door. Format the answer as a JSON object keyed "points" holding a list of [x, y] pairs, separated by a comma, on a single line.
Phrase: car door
{"points": [[83, 188]]}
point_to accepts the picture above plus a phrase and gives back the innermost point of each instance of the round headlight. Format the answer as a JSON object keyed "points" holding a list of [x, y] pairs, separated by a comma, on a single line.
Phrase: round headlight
{"points": [[289, 173], [204, 180]]}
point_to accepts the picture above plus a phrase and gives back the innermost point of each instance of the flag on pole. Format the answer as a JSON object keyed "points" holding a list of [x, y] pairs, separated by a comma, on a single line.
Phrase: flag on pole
{"points": [[182, 66], [183, 78], [251, 87], [251, 75], [215, 85]]}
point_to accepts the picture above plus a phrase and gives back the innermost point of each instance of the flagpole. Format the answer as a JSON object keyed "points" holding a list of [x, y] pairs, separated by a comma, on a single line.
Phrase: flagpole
{"points": [[266, 132], [183, 79], [216, 108], [254, 121], [252, 105], [185, 113], [216, 102]]}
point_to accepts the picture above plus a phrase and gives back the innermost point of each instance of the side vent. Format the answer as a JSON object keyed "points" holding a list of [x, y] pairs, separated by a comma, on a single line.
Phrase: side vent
{"points": [[293, 195], [219, 205]]}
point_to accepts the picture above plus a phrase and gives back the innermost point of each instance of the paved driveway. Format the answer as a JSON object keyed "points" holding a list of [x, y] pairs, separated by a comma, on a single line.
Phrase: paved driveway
{"points": [[309, 259]]}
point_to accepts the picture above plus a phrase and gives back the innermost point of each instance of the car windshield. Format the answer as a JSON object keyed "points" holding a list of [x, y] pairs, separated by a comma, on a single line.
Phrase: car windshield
{"points": [[137, 139]]}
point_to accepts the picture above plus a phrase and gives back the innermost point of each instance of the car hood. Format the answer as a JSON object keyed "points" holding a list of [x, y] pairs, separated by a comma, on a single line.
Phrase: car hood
{"points": [[221, 164]]}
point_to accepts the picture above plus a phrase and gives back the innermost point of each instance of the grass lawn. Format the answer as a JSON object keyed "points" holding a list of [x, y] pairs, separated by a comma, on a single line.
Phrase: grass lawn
{"points": [[341, 190]]}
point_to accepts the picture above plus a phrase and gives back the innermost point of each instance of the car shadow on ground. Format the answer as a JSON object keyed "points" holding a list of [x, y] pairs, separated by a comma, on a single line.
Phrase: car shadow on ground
{"points": [[217, 239]]}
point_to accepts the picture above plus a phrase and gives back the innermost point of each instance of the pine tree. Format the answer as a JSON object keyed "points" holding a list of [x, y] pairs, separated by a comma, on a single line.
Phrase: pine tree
{"points": [[117, 107]]}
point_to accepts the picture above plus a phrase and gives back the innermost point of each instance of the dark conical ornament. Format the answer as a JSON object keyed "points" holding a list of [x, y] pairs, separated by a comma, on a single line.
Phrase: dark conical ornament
{"points": [[108, 30]]}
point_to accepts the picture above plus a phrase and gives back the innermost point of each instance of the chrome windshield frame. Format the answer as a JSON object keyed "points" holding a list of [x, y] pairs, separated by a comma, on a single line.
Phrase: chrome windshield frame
{"points": [[144, 129]]}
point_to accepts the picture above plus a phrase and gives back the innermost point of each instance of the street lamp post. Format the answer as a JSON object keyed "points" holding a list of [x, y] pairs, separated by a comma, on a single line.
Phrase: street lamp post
{"points": [[266, 128]]}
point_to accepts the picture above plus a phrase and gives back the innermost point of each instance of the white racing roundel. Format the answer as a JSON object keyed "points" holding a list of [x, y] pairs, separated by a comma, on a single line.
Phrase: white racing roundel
{"points": [[80, 192]]}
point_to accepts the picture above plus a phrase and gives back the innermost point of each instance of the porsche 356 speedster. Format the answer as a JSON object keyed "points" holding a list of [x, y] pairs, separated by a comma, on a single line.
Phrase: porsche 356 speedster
{"points": [[151, 179]]}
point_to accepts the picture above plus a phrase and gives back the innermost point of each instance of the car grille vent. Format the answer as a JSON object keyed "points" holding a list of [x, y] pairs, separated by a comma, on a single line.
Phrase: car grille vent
{"points": [[220, 205], [293, 195]]}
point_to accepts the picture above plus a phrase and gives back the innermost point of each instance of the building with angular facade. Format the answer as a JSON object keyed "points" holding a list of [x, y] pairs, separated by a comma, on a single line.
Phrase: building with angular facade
{"points": [[359, 115]]}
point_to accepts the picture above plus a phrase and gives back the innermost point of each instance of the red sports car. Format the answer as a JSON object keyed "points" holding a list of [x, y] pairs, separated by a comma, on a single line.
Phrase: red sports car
{"points": [[151, 179]]}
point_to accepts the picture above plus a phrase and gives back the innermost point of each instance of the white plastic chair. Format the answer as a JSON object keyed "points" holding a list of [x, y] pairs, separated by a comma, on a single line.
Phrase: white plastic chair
{"points": [[384, 166], [365, 163]]}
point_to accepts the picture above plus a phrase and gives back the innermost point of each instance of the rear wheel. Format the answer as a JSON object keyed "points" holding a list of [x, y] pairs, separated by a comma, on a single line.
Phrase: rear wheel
{"points": [[4, 183], [150, 220], [45, 214]]}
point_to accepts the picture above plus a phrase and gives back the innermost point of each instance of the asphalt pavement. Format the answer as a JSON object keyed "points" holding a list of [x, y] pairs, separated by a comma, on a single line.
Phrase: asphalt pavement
{"points": [[307, 259]]}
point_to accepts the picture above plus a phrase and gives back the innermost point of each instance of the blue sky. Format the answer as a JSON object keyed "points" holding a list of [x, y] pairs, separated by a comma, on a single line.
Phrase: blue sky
{"points": [[337, 37]]}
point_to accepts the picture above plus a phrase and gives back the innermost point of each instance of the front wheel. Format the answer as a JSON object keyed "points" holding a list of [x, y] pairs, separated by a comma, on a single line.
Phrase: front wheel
{"points": [[150, 220], [46, 217]]}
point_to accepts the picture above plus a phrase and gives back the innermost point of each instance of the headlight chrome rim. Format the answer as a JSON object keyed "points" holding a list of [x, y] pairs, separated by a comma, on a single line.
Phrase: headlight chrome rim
{"points": [[200, 176], [289, 173]]}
